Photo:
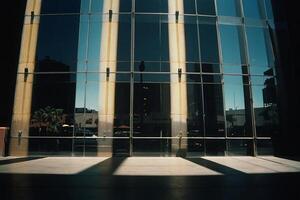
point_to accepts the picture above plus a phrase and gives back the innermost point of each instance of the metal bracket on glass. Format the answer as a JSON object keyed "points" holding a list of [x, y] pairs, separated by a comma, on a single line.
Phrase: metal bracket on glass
{"points": [[177, 16], [25, 74], [179, 74], [107, 73], [31, 17], [110, 15]]}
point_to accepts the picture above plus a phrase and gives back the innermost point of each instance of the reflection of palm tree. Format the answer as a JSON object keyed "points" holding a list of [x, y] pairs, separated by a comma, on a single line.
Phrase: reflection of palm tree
{"points": [[50, 117]]}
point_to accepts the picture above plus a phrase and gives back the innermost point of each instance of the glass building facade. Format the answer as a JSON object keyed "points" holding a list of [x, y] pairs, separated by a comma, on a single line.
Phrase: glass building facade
{"points": [[146, 77]]}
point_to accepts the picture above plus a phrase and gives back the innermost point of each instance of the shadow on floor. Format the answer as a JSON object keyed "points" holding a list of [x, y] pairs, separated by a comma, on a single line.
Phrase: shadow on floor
{"points": [[215, 166], [98, 182], [18, 160]]}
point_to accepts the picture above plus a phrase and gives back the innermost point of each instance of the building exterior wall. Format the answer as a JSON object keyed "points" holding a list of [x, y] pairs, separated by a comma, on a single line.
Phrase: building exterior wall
{"points": [[136, 77]]}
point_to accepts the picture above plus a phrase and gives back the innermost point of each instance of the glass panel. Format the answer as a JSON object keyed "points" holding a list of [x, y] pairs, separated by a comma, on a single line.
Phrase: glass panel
{"points": [[189, 6], [125, 5], [214, 110], [236, 112], [215, 147], [210, 68], [265, 106], [154, 6], [228, 69], [206, 7], [215, 79], [260, 49], [152, 66], [97, 6], [151, 109], [261, 70], [195, 110], [252, 9], [240, 147], [191, 39], [269, 9], [208, 40], [50, 146], [94, 40], [195, 147], [60, 6], [151, 38], [152, 147], [193, 78], [59, 47], [124, 38], [265, 147], [229, 8], [233, 49]]}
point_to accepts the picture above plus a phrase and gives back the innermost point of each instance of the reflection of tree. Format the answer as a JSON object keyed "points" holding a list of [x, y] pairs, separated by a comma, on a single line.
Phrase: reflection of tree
{"points": [[48, 117]]}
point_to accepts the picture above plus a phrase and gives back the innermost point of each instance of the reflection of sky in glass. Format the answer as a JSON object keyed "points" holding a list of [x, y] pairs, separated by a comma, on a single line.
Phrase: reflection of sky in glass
{"points": [[257, 93], [90, 39], [231, 44], [257, 46], [269, 9], [233, 92], [89, 50], [252, 9], [228, 8]]}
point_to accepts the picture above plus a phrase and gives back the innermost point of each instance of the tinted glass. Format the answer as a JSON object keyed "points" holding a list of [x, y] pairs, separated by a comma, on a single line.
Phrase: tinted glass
{"points": [[191, 39], [189, 6], [214, 113], [228, 7], [265, 105], [155, 6], [58, 46], [252, 9], [60, 6], [232, 44], [151, 38], [208, 41], [260, 49], [195, 110], [206, 7]]}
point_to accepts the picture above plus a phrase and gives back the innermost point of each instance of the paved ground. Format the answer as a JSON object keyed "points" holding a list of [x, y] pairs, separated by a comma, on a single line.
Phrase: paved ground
{"points": [[149, 178]]}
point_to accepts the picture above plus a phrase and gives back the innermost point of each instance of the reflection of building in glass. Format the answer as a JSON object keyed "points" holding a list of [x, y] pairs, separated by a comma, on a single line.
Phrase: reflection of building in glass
{"points": [[135, 77]]}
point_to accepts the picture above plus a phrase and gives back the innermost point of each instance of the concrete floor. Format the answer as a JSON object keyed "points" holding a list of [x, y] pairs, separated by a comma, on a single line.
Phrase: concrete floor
{"points": [[149, 178]]}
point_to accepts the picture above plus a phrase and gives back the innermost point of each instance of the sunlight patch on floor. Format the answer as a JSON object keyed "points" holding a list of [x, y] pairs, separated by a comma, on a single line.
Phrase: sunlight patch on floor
{"points": [[52, 165], [161, 166]]}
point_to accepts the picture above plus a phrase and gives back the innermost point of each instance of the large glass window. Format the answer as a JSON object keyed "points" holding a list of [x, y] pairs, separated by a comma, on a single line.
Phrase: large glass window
{"points": [[78, 109]]}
